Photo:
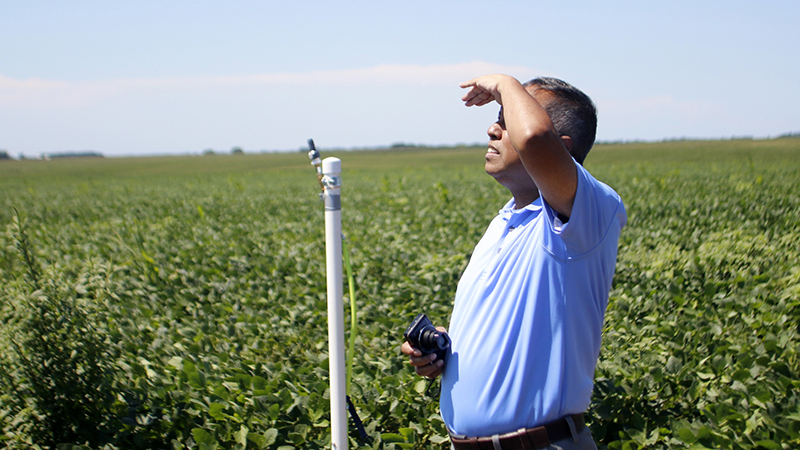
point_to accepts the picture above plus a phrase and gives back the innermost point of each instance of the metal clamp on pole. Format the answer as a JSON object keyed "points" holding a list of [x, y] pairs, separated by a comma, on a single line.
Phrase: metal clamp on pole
{"points": [[316, 161], [331, 183]]}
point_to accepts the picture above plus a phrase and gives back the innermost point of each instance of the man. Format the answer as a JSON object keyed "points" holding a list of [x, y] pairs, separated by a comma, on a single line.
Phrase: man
{"points": [[528, 313]]}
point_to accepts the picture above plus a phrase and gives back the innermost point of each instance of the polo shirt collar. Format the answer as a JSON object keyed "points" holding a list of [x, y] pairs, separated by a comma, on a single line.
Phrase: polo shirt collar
{"points": [[509, 208], [515, 217]]}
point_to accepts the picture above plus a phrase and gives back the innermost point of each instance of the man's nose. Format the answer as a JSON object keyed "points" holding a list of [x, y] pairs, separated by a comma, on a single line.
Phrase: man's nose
{"points": [[495, 132]]}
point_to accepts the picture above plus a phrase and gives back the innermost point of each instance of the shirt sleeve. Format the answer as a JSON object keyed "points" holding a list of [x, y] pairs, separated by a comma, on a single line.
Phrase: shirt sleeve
{"points": [[596, 210]]}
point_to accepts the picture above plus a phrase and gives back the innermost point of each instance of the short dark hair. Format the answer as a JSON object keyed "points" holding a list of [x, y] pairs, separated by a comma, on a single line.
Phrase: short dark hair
{"points": [[573, 114]]}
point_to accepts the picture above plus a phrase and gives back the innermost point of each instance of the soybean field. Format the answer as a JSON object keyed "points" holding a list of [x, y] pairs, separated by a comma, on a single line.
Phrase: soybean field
{"points": [[180, 302]]}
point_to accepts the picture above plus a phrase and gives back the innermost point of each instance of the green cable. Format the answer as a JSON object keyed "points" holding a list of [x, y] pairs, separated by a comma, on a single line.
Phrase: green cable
{"points": [[353, 323], [351, 350]]}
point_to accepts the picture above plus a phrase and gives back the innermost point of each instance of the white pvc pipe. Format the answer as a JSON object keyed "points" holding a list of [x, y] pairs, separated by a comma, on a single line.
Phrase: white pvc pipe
{"points": [[331, 169]]}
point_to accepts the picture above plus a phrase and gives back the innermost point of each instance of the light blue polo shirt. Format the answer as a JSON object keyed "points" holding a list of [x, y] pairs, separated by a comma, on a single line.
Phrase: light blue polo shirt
{"points": [[528, 314]]}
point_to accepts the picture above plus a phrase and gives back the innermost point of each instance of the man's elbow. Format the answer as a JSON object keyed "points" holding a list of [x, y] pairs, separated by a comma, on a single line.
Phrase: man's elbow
{"points": [[534, 140]]}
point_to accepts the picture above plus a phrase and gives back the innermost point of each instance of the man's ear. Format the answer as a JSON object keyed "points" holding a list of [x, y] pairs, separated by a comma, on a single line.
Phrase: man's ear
{"points": [[567, 141]]}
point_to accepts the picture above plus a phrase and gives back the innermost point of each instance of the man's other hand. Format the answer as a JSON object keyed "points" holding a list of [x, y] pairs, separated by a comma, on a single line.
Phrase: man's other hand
{"points": [[427, 366]]}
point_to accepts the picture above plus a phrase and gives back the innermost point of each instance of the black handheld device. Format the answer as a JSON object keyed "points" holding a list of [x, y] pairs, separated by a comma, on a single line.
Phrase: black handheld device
{"points": [[423, 335]]}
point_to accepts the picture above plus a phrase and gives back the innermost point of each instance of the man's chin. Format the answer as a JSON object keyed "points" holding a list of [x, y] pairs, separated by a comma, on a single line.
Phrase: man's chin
{"points": [[491, 167], [491, 171]]}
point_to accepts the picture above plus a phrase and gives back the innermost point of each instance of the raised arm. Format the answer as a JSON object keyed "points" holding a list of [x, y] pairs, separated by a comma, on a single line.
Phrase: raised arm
{"points": [[543, 153]]}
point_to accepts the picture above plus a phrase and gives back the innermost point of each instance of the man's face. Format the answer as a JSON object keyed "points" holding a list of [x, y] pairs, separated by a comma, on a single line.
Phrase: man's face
{"points": [[502, 160]]}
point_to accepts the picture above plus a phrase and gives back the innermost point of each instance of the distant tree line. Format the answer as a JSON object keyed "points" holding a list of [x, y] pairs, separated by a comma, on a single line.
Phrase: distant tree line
{"points": [[234, 151], [74, 155], [46, 156]]}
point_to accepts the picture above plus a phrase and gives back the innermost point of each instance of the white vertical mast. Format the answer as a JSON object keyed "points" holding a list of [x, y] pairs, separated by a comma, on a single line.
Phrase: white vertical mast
{"points": [[331, 182]]}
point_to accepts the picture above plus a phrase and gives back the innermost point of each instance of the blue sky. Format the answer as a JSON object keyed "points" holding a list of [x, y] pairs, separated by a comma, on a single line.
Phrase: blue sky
{"points": [[179, 76]]}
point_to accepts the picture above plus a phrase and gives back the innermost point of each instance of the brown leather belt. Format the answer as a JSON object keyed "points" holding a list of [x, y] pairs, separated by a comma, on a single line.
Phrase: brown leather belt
{"points": [[524, 439]]}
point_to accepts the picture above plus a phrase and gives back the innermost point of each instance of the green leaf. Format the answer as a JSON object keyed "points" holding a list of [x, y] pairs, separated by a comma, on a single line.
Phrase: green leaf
{"points": [[197, 379], [274, 411], [392, 438], [436, 439], [408, 434], [270, 436], [259, 383], [176, 362], [202, 436], [257, 439], [215, 410], [673, 364], [188, 367], [686, 435], [241, 435], [769, 445], [698, 446]]}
